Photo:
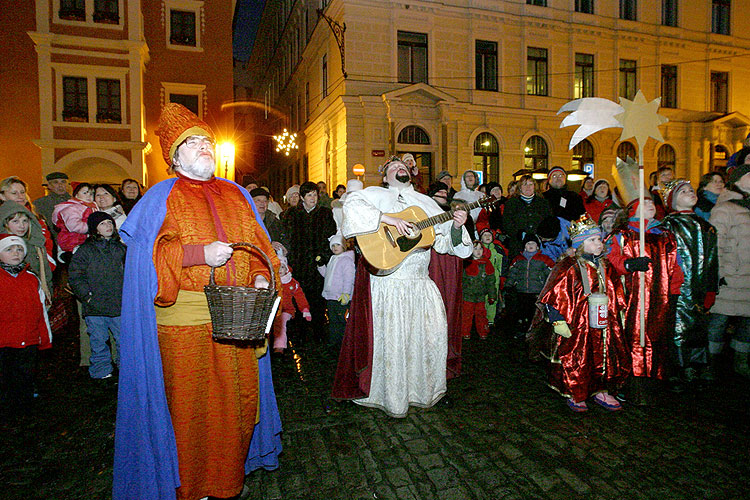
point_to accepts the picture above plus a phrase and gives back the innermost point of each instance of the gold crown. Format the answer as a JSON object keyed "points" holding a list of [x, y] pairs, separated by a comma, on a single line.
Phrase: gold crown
{"points": [[581, 225], [671, 187]]}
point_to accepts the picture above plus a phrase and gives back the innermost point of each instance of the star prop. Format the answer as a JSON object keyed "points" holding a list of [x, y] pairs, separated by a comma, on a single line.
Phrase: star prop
{"points": [[625, 174], [592, 114], [640, 119]]}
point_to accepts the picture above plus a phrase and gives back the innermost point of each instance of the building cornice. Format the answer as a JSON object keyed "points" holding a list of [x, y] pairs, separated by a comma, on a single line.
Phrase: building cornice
{"points": [[76, 144], [50, 39]]}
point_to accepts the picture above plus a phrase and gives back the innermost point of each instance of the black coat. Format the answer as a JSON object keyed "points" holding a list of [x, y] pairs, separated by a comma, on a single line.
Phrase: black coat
{"points": [[307, 234], [573, 208], [521, 217], [96, 273]]}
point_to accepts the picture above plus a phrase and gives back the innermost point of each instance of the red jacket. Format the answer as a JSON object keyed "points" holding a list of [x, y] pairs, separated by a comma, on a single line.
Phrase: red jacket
{"points": [[290, 291], [21, 307]]}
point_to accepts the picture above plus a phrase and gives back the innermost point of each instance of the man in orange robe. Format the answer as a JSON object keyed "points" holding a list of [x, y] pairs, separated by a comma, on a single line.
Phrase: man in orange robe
{"points": [[211, 388]]}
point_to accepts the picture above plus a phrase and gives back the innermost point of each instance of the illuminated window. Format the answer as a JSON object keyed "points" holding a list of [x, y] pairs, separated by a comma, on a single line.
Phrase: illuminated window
{"points": [[536, 71], [536, 153], [584, 77]]}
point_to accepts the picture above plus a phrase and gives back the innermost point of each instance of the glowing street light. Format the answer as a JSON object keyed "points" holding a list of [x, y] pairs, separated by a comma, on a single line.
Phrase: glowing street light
{"points": [[226, 160]]}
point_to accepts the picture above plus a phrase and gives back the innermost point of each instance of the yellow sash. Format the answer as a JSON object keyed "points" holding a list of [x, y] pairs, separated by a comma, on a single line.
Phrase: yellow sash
{"points": [[190, 309]]}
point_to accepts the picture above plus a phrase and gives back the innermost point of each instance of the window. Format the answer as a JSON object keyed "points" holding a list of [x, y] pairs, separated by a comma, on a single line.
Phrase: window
{"points": [[486, 156], [413, 135], [668, 86], [307, 101], [585, 6], [108, 101], [75, 99], [190, 101], [486, 65], [719, 156], [583, 153], [665, 157], [182, 28], [720, 16], [412, 57], [669, 12], [324, 77], [72, 10], [626, 149], [627, 78], [536, 71], [535, 153], [719, 91], [584, 76], [628, 10], [540, 3], [106, 11]]}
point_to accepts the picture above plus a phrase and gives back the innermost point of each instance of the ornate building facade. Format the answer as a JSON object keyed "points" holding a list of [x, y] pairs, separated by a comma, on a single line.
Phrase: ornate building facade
{"points": [[477, 84]]}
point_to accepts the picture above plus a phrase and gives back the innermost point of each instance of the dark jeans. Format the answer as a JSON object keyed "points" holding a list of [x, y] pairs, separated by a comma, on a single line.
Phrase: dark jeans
{"points": [[336, 323], [17, 374]]}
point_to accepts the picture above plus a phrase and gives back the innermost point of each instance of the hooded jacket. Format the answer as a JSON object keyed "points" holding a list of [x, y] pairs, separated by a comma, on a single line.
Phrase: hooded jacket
{"points": [[36, 254]]}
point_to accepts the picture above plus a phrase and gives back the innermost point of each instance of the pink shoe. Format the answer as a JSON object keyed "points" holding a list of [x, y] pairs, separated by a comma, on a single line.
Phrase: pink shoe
{"points": [[577, 407], [607, 402]]}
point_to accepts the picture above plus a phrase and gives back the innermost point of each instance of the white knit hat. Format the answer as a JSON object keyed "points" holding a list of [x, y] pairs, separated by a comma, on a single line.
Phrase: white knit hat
{"points": [[336, 239], [8, 240]]}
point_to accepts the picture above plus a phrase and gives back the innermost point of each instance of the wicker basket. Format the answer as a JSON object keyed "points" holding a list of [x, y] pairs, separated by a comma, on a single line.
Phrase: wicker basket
{"points": [[238, 312]]}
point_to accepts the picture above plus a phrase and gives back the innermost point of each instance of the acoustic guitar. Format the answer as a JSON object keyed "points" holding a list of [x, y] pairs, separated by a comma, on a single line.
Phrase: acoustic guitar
{"points": [[385, 248]]}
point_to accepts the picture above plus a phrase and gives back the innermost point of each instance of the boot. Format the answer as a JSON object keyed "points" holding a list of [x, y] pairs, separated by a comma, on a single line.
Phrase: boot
{"points": [[740, 364], [712, 372]]}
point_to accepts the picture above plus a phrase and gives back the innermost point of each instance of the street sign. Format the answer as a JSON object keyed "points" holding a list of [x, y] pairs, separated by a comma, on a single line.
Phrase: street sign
{"points": [[358, 169]]}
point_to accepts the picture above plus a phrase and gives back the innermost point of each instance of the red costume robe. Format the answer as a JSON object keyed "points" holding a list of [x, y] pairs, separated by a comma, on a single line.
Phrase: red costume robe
{"points": [[664, 278], [591, 360], [211, 387]]}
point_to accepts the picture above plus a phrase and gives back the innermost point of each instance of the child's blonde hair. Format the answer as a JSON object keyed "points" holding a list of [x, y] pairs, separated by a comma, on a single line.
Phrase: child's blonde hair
{"points": [[13, 216]]}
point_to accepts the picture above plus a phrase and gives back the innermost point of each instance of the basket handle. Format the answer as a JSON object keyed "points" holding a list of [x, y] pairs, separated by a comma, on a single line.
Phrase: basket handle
{"points": [[212, 280]]}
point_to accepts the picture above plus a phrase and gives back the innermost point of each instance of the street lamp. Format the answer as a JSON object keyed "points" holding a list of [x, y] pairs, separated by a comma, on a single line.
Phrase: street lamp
{"points": [[226, 159]]}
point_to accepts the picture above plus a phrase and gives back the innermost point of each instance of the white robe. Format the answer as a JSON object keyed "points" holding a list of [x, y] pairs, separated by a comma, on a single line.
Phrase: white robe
{"points": [[410, 331]]}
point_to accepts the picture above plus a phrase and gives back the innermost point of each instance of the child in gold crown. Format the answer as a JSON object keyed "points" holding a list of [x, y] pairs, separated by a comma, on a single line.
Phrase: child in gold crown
{"points": [[589, 355]]}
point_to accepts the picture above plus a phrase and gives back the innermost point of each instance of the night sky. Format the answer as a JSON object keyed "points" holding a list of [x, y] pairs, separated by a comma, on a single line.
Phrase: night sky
{"points": [[248, 17]]}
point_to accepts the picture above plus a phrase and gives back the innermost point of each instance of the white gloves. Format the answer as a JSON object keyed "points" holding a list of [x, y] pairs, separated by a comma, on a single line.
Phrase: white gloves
{"points": [[261, 282], [217, 253], [561, 328], [344, 299]]}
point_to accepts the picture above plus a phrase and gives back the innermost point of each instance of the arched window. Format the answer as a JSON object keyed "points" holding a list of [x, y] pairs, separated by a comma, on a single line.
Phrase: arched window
{"points": [[626, 149], [486, 157], [583, 153], [665, 157], [719, 157], [413, 135], [535, 153]]}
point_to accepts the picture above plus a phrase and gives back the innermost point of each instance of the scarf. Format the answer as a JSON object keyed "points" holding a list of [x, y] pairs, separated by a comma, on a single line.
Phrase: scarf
{"points": [[651, 225], [745, 201], [527, 199], [13, 270]]}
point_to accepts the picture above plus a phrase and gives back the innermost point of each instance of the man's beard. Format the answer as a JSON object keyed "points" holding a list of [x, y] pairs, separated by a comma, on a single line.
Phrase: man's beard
{"points": [[201, 168], [403, 178]]}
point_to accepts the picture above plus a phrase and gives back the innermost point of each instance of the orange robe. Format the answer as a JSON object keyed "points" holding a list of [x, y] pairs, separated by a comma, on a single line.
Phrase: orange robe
{"points": [[211, 387]]}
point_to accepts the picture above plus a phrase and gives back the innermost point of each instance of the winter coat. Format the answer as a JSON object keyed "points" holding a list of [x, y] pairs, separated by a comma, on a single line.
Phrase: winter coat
{"points": [[732, 223], [275, 228], [570, 209], [595, 207], [556, 248], [521, 217], [70, 220], [25, 320], [339, 275], [529, 275], [479, 280], [706, 202], [469, 195], [38, 243], [96, 274], [291, 292], [308, 233]]}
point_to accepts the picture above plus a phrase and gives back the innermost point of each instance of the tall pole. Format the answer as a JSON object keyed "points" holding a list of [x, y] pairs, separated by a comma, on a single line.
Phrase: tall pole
{"points": [[642, 246]]}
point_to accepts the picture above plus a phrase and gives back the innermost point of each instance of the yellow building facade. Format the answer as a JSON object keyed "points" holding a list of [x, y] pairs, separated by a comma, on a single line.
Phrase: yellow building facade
{"points": [[477, 84]]}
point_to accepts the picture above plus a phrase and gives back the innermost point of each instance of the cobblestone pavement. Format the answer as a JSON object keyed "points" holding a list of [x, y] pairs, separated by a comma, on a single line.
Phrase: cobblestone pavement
{"points": [[503, 435]]}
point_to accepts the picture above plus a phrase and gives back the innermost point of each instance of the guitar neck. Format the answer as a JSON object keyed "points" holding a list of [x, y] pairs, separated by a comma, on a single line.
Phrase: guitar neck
{"points": [[438, 219]]}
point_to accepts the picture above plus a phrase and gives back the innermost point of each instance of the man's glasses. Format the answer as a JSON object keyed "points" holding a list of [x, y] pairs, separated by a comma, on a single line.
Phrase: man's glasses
{"points": [[196, 141]]}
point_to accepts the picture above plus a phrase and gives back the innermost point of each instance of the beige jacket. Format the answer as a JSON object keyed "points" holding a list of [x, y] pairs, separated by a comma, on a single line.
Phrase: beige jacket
{"points": [[732, 224]]}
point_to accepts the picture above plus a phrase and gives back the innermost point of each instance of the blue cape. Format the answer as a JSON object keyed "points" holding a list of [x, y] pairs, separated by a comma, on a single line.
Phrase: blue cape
{"points": [[145, 465]]}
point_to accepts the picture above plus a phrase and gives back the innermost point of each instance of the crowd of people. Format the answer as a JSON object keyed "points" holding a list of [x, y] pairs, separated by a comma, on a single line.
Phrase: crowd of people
{"points": [[611, 311]]}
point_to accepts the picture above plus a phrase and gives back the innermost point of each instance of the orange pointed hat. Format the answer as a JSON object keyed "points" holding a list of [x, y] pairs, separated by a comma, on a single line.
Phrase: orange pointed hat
{"points": [[176, 124]]}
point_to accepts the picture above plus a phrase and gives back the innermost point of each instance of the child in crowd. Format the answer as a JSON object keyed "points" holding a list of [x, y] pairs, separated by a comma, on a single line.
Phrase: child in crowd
{"points": [[291, 292], [499, 261], [478, 286], [96, 275], [18, 220], [554, 241], [70, 217], [526, 277], [25, 325], [589, 354], [337, 288]]}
